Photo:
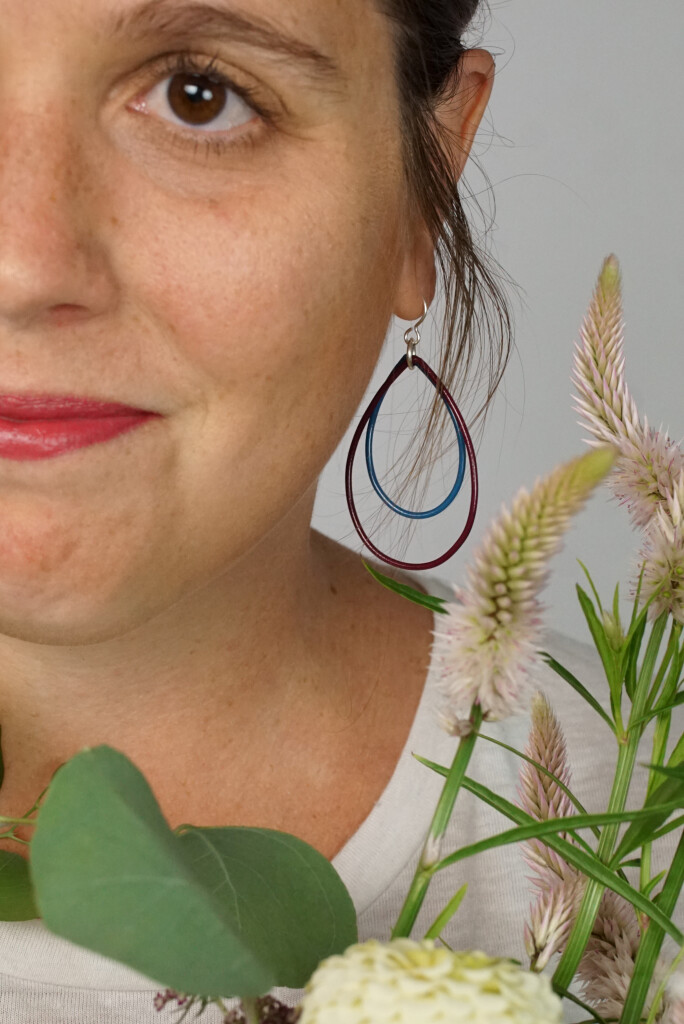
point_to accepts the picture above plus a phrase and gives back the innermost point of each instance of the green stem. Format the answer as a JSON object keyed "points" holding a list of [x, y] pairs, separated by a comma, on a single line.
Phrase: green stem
{"points": [[660, 737], [663, 985], [628, 749], [584, 922], [651, 942], [250, 1010], [671, 653], [431, 850], [645, 867], [661, 732]]}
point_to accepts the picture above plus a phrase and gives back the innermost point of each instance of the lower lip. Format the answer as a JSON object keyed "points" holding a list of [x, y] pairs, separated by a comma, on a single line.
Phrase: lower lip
{"points": [[42, 439]]}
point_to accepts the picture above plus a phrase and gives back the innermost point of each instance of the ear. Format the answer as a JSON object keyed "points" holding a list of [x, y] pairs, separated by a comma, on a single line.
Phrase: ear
{"points": [[461, 114]]}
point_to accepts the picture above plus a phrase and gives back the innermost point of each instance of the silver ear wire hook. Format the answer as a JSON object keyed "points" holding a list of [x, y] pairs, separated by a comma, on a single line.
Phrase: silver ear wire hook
{"points": [[412, 337]]}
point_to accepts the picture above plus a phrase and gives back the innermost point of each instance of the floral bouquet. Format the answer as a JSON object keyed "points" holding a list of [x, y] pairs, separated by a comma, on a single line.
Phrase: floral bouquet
{"points": [[216, 914]]}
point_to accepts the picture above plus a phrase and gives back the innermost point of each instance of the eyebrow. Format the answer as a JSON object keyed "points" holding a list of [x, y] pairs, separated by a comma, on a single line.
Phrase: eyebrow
{"points": [[174, 19]]}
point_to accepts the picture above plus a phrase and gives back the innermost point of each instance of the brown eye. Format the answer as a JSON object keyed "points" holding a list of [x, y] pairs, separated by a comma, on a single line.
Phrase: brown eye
{"points": [[195, 99], [192, 99]]}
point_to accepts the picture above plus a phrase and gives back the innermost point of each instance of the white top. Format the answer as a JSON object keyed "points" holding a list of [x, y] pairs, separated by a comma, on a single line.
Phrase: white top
{"points": [[44, 977]]}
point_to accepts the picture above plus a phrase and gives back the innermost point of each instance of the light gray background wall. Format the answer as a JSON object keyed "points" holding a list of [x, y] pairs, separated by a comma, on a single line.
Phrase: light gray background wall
{"points": [[584, 147]]}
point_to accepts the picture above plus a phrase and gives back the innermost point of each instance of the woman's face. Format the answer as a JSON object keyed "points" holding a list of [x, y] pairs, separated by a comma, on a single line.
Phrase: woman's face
{"points": [[164, 245]]}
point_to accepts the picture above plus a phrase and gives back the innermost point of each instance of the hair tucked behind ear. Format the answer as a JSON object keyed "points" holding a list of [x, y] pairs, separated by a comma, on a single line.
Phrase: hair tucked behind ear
{"points": [[477, 331]]}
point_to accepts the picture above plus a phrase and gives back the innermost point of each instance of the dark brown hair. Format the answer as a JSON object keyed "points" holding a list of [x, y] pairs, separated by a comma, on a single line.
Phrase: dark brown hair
{"points": [[477, 334]]}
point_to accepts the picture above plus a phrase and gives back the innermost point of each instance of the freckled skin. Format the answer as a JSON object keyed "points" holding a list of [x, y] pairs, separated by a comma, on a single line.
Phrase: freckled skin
{"points": [[246, 298]]}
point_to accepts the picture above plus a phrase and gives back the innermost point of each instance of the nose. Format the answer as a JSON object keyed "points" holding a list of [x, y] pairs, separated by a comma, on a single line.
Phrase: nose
{"points": [[53, 260]]}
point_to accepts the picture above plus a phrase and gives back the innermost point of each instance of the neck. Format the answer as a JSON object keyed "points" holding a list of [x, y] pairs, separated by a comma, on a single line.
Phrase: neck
{"points": [[242, 655]]}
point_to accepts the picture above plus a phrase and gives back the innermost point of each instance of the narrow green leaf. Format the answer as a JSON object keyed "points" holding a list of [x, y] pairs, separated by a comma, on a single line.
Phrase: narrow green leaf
{"points": [[110, 875], [650, 886], [440, 769], [630, 658], [435, 604], [550, 826], [594, 1015], [637, 598], [565, 674], [587, 864], [671, 665], [592, 585], [665, 798], [442, 920], [590, 866], [672, 771], [616, 603], [651, 942], [677, 755], [659, 709], [670, 827], [652, 648], [639, 622], [598, 633], [16, 892], [540, 768]]}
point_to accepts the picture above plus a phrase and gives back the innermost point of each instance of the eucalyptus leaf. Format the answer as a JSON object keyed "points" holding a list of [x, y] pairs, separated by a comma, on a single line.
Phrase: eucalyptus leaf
{"points": [[110, 875], [287, 900], [16, 892]]}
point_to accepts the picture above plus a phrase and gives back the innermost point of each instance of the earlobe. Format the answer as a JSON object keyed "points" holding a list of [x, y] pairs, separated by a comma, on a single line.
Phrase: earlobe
{"points": [[418, 278]]}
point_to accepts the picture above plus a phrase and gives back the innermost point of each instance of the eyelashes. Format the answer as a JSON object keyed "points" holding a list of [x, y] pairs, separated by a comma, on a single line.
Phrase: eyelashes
{"points": [[216, 142]]}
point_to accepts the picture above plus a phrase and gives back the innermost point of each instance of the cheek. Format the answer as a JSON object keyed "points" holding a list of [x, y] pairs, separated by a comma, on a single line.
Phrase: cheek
{"points": [[277, 308]]}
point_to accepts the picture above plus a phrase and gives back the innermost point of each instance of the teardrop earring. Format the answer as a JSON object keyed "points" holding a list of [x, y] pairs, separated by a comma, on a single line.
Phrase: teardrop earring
{"points": [[465, 445]]}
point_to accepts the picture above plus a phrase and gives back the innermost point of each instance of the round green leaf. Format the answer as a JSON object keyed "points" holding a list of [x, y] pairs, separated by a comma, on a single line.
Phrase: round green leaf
{"points": [[284, 898], [16, 891], [109, 874], [209, 911]]}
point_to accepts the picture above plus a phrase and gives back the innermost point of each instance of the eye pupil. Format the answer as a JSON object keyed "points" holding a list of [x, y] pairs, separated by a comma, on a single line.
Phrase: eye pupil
{"points": [[195, 102]]}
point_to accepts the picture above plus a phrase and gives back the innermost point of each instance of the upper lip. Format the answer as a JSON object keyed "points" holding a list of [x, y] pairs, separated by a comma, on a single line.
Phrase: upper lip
{"points": [[36, 406]]}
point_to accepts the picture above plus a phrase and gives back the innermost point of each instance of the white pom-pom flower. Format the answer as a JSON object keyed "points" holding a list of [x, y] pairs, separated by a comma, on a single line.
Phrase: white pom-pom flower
{"points": [[409, 982]]}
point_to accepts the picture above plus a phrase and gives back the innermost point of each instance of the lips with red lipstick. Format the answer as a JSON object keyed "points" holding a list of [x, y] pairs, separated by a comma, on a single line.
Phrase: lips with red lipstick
{"points": [[41, 426]]}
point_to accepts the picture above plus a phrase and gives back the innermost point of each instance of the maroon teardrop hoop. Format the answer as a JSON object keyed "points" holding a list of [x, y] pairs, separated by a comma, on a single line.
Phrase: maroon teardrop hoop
{"points": [[447, 398]]}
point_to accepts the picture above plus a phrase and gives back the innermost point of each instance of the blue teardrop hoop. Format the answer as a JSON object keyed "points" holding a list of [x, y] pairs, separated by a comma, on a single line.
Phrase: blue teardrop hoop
{"points": [[465, 445], [374, 476]]}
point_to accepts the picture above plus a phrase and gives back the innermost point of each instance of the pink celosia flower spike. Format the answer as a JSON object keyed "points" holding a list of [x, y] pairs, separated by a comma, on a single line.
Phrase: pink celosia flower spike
{"points": [[607, 966], [491, 632], [559, 886], [541, 797], [673, 1008], [649, 461], [663, 554], [650, 467], [551, 919]]}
